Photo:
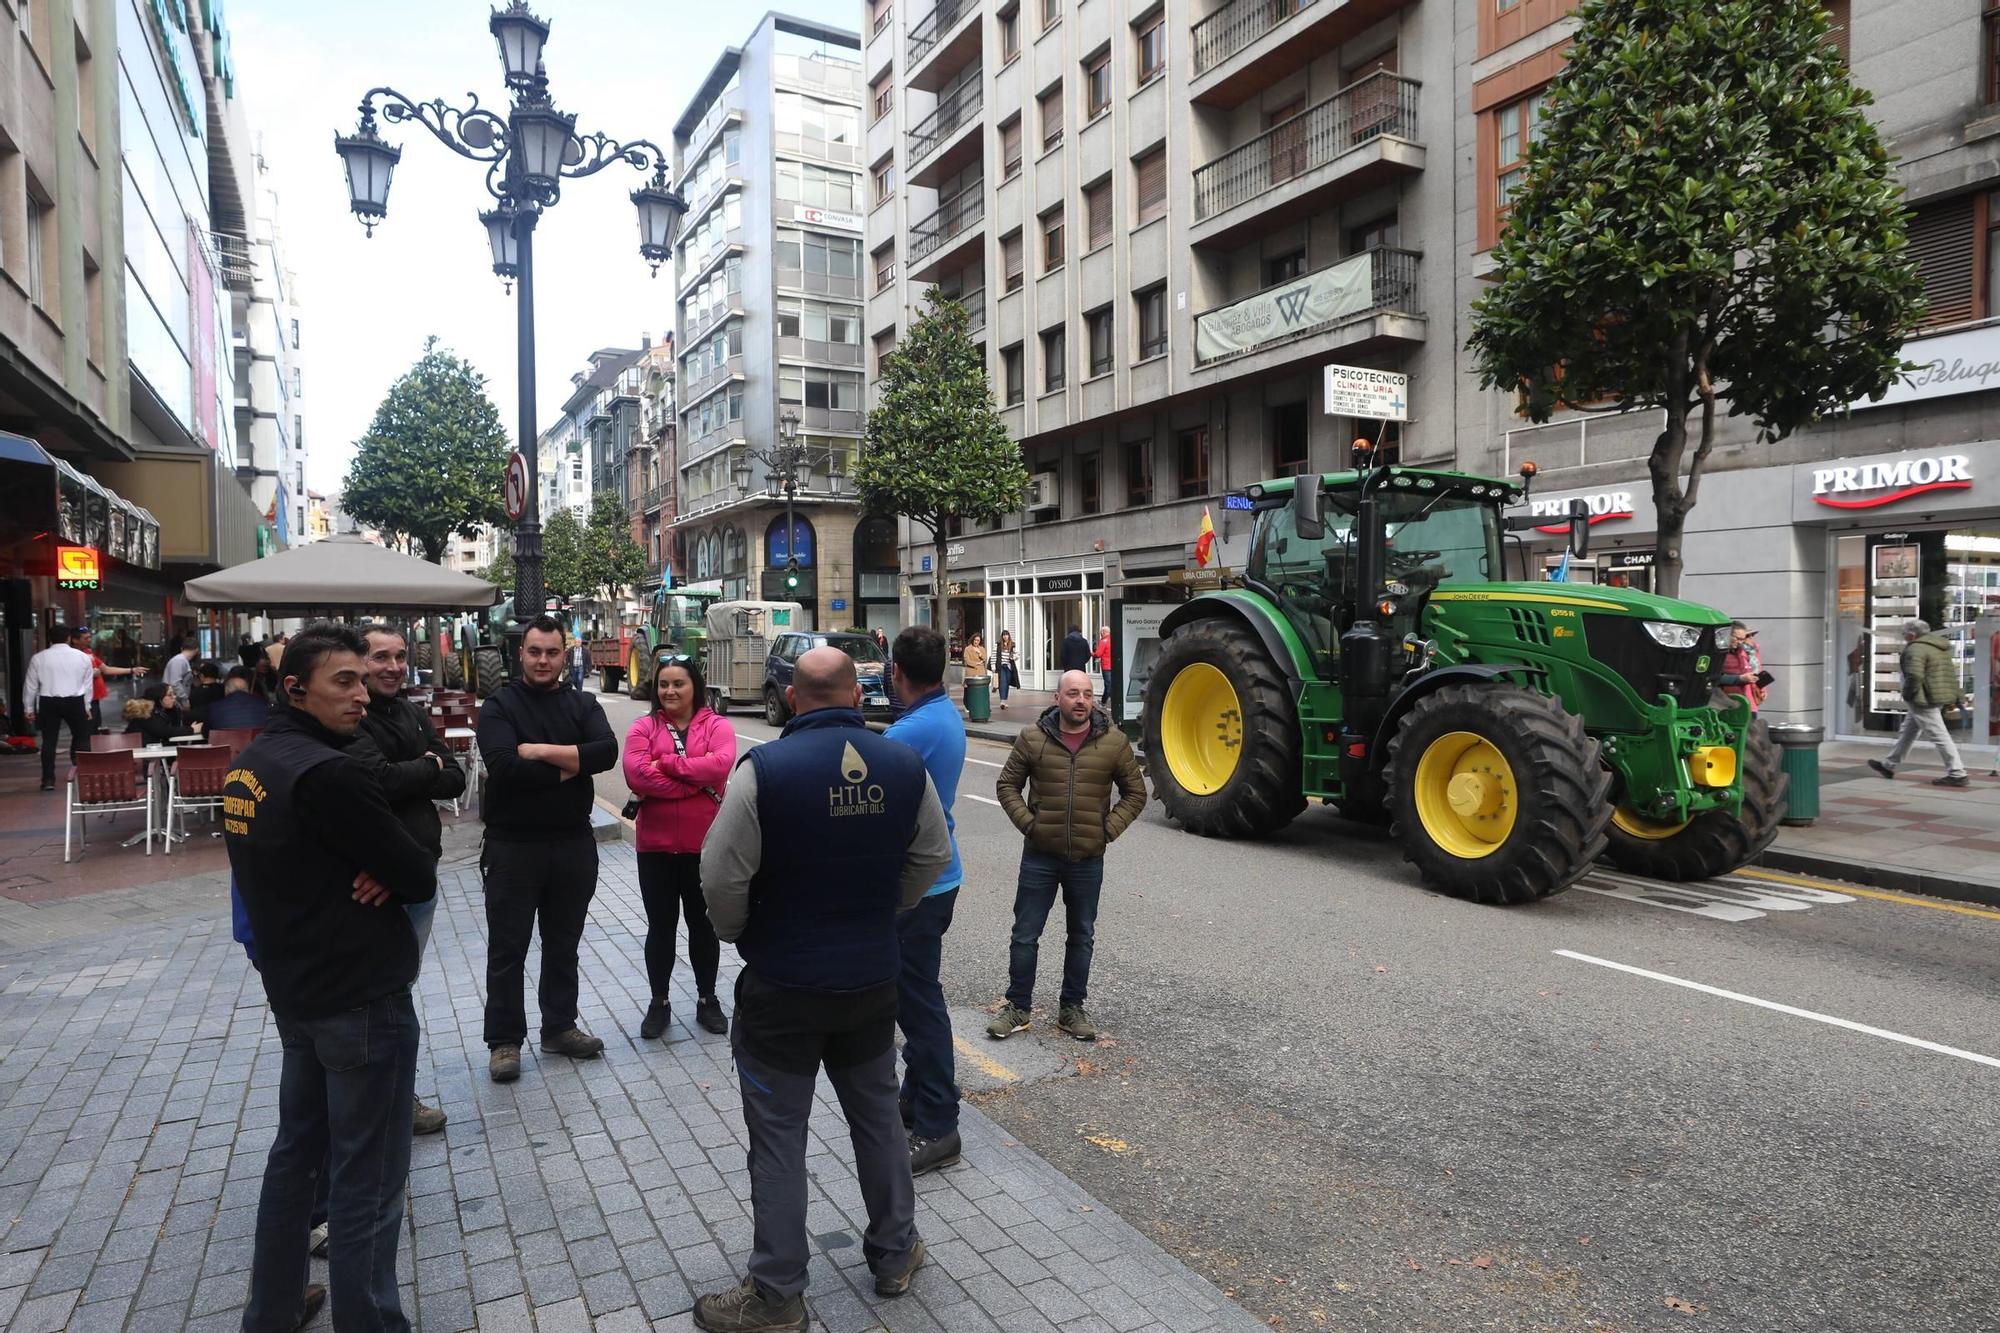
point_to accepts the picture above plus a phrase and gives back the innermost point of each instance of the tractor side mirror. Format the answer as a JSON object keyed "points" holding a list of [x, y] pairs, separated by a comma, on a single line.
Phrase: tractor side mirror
{"points": [[1579, 527], [1306, 520]]}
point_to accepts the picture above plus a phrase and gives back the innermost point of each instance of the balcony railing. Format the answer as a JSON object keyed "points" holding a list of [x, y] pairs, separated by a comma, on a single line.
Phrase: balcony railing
{"points": [[1380, 104], [1310, 305], [1236, 25], [932, 27], [954, 217], [957, 107]]}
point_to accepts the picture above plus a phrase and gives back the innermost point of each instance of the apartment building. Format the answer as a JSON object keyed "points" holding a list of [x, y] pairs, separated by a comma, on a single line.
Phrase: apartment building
{"points": [[267, 336], [1163, 219], [652, 466], [576, 457], [769, 288]]}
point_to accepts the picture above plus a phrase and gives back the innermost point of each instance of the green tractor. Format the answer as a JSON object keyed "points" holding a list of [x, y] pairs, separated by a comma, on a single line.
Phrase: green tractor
{"points": [[1375, 657], [676, 622]]}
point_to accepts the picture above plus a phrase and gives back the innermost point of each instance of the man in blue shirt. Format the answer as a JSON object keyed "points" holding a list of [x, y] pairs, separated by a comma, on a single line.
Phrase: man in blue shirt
{"points": [[931, 726]]}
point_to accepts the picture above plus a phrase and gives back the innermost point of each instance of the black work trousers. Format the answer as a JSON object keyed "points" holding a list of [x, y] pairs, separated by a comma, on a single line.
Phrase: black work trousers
{"points": [[670, 886], [554, 881], [51, 715]]}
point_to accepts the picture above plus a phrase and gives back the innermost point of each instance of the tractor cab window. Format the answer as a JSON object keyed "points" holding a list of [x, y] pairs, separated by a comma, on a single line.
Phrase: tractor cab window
{"points": [[1311, 579], [1434, 539]]}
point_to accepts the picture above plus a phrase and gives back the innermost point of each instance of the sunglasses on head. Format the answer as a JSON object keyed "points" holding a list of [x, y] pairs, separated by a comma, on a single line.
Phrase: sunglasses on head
{"points": [[676, 659]]}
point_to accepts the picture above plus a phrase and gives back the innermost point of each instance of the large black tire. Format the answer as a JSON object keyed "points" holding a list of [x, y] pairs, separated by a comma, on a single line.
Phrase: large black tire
{"points": [[490, 664], [1258, 727], [453, 673], [1713, 842], [638, 677], [1549, 805], [775, 712], [611, 679]]}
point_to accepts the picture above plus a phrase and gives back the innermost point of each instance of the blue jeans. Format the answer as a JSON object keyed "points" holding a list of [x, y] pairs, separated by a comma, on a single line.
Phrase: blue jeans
{"points": [[344, 1108], [421, 916], [928, 1067], [1081, 882], [1005, 677]]}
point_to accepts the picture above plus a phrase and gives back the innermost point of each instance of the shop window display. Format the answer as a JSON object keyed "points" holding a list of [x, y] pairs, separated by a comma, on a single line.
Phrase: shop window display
{"points": [[1949, 579]]}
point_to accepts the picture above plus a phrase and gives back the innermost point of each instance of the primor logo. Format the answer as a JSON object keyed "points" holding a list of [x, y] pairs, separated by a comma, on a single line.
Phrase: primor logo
{"points": [[1292, 304], [854, 794]]}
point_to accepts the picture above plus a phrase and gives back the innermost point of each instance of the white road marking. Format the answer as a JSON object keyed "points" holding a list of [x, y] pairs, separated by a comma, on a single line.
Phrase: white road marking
{"points": [[988, 762], [987, 800], [1730, 898], [1793, 1010]]}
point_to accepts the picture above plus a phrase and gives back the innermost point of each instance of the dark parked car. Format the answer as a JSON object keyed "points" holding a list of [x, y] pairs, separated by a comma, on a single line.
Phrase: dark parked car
{"points": [[877, 701]]}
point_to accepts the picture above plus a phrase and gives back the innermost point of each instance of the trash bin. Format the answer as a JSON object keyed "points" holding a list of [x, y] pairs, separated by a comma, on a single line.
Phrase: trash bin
{"points": [[1800, 744], [979, 698]]}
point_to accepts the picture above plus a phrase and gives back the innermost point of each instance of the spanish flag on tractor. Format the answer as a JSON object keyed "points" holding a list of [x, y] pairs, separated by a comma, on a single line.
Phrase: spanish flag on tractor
{"points": [[1204, 543]]}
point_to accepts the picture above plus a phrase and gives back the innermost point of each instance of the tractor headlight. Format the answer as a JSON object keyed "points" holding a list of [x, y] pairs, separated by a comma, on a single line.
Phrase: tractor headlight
{"points": [[1669, 635], [1723, 634]]}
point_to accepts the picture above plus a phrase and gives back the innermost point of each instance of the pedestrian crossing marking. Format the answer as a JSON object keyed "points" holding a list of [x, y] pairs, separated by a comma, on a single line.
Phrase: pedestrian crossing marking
{"points": [[1730, 898]]}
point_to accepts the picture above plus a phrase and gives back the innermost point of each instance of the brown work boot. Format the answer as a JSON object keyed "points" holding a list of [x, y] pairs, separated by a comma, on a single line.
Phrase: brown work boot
{"points": [[504, 1065], [744, 1309], [898, 1282], [314, 1298], [426, 1119], [575, 1043]]}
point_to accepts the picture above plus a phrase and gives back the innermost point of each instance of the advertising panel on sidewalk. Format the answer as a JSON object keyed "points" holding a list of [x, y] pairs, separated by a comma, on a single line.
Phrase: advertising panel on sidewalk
{"points": [[1135, 647]]}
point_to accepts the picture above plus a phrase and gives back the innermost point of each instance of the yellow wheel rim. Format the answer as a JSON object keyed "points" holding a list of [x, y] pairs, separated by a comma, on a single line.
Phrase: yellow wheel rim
{"points": [[1651, 830], [1201, 729], [1466, 797]]}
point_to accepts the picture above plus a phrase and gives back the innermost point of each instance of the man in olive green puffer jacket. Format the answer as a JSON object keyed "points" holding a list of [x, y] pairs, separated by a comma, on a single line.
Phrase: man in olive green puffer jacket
{"points": [[1930, 684], [1068, 762]]}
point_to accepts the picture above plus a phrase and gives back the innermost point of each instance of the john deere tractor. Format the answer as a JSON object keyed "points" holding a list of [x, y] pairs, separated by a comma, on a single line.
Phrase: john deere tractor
{"points": [[1374, 656]]}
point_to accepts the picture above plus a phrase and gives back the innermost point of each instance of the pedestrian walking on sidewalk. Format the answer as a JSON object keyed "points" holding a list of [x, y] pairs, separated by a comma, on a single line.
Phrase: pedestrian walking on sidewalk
{"points": [[542, 741], [404, 752], [1003, 653], [823, 837], [1056, 787], [677, 762], [56, 693], [1101, 654], [1930, 685], [579, 661], [930, 725], [179, 670], [324, 867], [1743, 665], [1075, 654]]}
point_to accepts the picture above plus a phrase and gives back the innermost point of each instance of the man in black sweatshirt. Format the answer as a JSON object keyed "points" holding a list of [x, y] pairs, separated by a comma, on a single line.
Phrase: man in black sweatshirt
{"points": [[541, 741], [324, 868]]}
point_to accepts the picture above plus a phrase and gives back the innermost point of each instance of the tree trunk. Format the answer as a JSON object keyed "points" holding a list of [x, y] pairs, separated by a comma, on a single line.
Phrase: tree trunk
{"points": [[941, 540], [1669, 501]]}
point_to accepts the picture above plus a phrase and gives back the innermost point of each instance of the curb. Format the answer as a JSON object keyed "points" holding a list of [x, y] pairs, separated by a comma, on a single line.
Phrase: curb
{"points": [[1897, 879]]}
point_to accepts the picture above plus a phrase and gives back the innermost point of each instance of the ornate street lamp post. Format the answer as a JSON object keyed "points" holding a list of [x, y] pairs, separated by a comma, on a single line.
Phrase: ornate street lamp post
{"points": [[785, 460], [528, 154]]}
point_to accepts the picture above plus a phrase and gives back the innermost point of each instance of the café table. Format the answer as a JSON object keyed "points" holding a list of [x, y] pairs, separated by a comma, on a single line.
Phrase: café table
{"points": [[160, 756]]}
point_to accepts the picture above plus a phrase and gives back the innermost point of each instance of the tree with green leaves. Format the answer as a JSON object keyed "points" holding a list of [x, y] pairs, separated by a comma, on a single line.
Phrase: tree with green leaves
{"points": [[433, 464], [936, 450], [613, 559], [565, 565], [501, 572], [1708, 217]]}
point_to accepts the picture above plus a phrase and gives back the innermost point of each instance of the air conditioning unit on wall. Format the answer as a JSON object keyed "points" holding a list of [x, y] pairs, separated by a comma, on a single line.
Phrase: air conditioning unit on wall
{"points": [[1045, 491]]}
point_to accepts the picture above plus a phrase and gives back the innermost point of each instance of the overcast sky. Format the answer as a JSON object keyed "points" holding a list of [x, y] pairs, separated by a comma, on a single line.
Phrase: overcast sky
{"points": [[626, 67]]}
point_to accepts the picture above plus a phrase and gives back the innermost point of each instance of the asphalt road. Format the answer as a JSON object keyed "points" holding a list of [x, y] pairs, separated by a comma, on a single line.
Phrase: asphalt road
{"points": [[1354, 1103]]}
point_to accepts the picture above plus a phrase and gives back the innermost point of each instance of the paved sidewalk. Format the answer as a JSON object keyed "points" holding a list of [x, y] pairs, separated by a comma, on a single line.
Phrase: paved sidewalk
{"points": [[138, 1088]]}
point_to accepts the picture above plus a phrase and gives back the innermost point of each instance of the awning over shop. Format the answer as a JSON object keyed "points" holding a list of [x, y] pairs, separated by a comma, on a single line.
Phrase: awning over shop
{"points": [[45, 496], [342, 574]]}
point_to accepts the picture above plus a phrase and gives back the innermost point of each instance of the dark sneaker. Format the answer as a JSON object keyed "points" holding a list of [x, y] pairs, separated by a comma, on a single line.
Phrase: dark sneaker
{"points": [[1882, 768], [744, 1309], [654, 1025], [896, 1283], [708, 1013], [426, 1119], [314, 1298], [48, 786], [575, 1043], [504, 1065], [1960, 781], [927, 1155], [1077, 1023], [1007, 1022]]}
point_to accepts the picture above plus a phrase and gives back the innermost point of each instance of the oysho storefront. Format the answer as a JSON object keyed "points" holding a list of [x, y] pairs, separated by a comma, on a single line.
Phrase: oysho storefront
{"points": [[1039, 603]]}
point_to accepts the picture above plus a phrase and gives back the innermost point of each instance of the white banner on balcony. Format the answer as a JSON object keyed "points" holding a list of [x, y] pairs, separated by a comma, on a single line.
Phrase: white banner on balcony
{"points": [[1318, 298]]}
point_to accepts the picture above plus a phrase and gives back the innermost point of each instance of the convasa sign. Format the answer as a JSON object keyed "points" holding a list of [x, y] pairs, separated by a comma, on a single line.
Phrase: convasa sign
{"points": [[1871, 485]]}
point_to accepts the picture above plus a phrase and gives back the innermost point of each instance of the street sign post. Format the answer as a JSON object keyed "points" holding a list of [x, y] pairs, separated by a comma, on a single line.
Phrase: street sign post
{"points": [[517, 486], [1356, 391]]}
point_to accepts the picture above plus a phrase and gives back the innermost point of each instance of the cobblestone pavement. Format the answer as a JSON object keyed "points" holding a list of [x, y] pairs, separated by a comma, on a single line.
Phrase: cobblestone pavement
{"points": [[138, 1096]]}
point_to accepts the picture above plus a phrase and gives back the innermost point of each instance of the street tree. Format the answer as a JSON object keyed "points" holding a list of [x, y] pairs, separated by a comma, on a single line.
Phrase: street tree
{"points": [[433, 464], [1707, 217], [565, 566], [612, 558], [936, 449], [501, 572]]}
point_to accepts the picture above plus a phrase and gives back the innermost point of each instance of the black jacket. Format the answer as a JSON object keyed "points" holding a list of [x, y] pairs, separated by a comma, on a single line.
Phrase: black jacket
{"points": [[301, 821], [526, 800], [1074, 655], [396, 744]]}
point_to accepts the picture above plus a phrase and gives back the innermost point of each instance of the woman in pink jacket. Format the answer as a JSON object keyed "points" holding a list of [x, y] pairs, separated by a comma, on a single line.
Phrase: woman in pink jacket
{"points": [[677, 761]]}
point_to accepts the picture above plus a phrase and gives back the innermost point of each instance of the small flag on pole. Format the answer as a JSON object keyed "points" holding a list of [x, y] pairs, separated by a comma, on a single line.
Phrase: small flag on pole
{"points": [[1204, 543]]}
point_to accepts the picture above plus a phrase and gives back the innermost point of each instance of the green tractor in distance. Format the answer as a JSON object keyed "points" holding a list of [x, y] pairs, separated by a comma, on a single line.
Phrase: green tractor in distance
{"points": [[1373, 656], [675, 622]]}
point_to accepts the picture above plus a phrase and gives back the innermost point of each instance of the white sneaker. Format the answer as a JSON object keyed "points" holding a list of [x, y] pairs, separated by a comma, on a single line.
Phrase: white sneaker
{"points": [[319, 1240]]}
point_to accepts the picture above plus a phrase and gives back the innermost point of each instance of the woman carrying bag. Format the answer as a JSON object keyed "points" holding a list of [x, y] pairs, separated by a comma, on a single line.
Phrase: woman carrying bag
{"points": [[677, 762], [1004, 654]]}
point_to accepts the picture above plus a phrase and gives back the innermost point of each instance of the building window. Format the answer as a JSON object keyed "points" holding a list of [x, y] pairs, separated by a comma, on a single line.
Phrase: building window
{"points": [[1012, 374], [39, 242], [880, 12], [1051, 13], [1991, 78], [1097, 214], [1052, 239], [1152, 305], [1379, 234], [1052, 117], [1288, 440], [1138, 473], [1191, 456], [1010, 34], [885, 180], [297, 387], [884, 89], [1010, 260], [295, 335], [1516, 125], [1944, 237], [93, 296], [885, 268], [1052, 360], [885, 343], [1010, 149], [1149, 175], [86, 96], [1151, 39], [1088, 498], [1284, 267], [1097, 85], [1098, 325]]}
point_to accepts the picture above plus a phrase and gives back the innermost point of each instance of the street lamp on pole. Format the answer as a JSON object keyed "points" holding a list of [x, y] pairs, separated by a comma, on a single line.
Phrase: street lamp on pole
{"points": [[528, 152], [783, 461]]}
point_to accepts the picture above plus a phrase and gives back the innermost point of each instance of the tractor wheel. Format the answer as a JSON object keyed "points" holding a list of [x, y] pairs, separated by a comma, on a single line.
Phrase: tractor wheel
{"points": [[1497, 793], [637, 677], [491, 666], [453, 672], [1713, 842], [718, 703], [774, 709], [1222, 737]]}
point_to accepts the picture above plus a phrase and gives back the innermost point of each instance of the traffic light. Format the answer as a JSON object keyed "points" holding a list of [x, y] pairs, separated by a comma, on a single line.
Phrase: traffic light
{"points": [[791, 578]]}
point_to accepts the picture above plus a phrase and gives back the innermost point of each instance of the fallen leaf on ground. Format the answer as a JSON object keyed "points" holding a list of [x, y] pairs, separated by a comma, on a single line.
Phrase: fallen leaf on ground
{"points": [[1380, 968], [1685, 1307], [1483, 1261], [1415, 1267]]}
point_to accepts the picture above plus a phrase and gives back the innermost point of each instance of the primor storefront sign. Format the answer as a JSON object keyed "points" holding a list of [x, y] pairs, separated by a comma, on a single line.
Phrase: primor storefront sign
{"points": [[1873, 485]]}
